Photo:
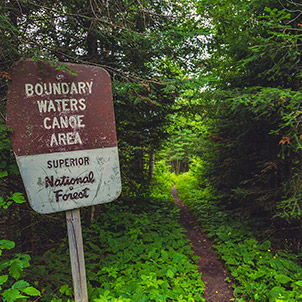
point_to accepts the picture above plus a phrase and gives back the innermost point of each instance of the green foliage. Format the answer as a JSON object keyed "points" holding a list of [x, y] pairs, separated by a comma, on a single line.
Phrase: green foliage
{"points": [[163, 181], [145, 46], [15, 197], [134, 252], [237, 122], [251, 150], [251, 135], [182, 146], [11, 269], [260, 271], [11, 265], [7, 162], [254, 42]]}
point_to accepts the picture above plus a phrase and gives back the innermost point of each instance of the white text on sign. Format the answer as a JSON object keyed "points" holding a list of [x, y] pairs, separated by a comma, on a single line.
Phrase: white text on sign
{"points": [[61, 88], [69, 183], [72, 123]]}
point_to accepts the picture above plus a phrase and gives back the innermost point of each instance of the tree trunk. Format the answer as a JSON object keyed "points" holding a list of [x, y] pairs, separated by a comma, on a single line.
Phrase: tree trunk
{"points": [[92, 37]]}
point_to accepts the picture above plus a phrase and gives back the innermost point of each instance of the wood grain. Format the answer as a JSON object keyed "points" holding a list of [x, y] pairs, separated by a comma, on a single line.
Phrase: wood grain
{"points": [[76, 250]]}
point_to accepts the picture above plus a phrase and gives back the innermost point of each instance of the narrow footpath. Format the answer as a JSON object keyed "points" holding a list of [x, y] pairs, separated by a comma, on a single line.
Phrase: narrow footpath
{"points": [[213, 272]]}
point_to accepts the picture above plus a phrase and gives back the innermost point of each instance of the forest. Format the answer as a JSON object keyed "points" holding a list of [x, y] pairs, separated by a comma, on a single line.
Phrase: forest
{"points": [[207, 96]]}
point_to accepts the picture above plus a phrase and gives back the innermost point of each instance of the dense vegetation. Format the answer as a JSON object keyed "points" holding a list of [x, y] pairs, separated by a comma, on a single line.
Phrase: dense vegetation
{"points": [[134, 251], [262, 267], [142, 45], [210, 86], [244, 125], [242, 137]]}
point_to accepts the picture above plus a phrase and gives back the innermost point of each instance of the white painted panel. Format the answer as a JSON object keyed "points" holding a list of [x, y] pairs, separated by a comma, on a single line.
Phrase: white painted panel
{"points": [[62, 181]]}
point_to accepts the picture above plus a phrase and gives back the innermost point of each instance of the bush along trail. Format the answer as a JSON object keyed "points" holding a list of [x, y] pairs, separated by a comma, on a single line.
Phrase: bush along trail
{"points": [[261, 270]]}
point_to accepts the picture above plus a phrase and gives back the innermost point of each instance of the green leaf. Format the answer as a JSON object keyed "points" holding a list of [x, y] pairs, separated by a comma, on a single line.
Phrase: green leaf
{"points": [[230, 260], [164, 255], [11, 295], [63, 288], [259, 273], [24, 259], [20, 285], [16, 268], [66, 290], [3, 279], [31, 291], [18, 198], [3, 174], [170, 274], [290, 265], [6, 244], [276, 292], [299, 283], [282, 278]]}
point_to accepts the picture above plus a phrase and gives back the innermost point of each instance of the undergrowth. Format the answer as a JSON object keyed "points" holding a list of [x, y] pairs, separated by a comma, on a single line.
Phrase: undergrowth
{"points": [[134, 251], [260, 272]]}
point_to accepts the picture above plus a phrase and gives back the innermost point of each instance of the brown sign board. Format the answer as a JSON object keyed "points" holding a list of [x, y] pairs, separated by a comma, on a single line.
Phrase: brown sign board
{"points": [[64, 135]]}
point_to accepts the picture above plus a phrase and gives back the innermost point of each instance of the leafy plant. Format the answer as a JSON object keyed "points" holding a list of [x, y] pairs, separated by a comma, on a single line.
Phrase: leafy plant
{"points": [[134, 251], [11, 287]]}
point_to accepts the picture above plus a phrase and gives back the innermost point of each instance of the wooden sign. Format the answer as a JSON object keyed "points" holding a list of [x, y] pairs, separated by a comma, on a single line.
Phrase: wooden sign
{"points": [[64, 140], [64, 135]]}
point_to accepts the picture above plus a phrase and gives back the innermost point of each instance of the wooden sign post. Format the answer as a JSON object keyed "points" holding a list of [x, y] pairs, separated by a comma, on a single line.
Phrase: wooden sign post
{"points": [[76, 251], [64, 140]]}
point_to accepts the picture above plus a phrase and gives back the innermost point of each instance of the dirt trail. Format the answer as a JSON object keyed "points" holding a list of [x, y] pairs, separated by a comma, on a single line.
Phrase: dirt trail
{"points": [[213, 272]]}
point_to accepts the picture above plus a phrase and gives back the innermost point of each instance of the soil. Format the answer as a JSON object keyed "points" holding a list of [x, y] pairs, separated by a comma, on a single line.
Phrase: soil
{"points": [[213, 272]]}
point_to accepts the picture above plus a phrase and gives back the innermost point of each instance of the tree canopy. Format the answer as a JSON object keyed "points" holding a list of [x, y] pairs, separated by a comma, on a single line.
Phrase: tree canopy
{"points": [[144, 45]]}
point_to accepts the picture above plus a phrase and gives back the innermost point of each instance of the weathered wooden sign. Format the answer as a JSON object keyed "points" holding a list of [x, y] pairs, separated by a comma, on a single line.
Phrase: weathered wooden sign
{"points": [[64, 135], [65, 144]]}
